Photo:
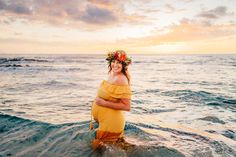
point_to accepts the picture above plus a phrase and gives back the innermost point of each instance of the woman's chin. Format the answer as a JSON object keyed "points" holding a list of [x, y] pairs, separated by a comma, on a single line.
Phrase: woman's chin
{"points": [[116, 71]]}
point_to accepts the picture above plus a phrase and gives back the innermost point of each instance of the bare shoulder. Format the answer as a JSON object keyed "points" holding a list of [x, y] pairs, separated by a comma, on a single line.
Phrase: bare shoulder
{"points": [[121, 80]]}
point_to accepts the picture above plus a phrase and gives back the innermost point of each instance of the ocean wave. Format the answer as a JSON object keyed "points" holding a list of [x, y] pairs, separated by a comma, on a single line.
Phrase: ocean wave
{"points": [[202, 98], [144, 110], [149, 62], [191, 138], [212, 119], [152, 90], [60, 89], [21, 59], [19, 62], [24, 137], [56, 84]]}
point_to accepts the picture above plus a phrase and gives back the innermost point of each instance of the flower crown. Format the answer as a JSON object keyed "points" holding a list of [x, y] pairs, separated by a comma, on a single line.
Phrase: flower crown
{"points": [[119, 55]]}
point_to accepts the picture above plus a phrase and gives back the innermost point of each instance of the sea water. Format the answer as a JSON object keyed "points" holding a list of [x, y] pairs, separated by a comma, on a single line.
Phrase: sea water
{"points": [[181, 105]]}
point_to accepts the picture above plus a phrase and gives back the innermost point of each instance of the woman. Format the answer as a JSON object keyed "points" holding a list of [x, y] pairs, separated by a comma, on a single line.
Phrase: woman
{"points": [[114, 96]]}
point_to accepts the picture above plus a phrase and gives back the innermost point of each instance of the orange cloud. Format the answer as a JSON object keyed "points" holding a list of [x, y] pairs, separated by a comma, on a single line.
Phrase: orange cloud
{"points": [[184, 32]]}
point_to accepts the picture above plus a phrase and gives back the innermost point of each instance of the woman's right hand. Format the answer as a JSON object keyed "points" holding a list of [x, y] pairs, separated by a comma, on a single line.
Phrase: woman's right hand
{"points": [[99, 101]]}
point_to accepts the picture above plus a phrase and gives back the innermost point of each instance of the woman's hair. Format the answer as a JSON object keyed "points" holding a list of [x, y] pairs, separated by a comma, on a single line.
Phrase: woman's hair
{"points": [[124, 70]]}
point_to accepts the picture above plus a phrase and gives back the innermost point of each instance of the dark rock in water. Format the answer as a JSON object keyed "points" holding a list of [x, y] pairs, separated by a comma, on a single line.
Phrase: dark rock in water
{"points": [[211, 131], [232, 101], [213, 119], [16, 65], [7, 101], [34, 60], [230, 134], [8, 62], [3, 60], [15, 59], [11, 65], [5, 65], [214, 104]]}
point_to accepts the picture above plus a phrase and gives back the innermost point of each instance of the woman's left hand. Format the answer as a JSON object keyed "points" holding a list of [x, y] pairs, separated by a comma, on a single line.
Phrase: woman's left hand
{"points": [[100, 101]]}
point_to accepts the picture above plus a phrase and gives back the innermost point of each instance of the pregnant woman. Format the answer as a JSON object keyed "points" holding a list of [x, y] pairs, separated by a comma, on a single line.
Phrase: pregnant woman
{"points": [[114, 97]]}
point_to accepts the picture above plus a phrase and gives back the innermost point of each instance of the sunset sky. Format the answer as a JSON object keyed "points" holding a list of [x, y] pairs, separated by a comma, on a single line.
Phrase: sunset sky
{"points": [[136, 26]]}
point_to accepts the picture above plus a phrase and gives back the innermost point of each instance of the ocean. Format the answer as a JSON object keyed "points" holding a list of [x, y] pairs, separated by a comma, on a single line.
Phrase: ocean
{"points": [[182, 105]]}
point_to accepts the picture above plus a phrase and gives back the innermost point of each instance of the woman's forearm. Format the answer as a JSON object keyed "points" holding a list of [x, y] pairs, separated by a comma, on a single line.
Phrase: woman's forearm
{"points": [[125, 106]]}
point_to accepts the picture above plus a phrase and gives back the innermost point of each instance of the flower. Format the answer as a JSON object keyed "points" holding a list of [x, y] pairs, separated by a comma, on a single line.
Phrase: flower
{"points": [[116, 55], [122, 57], [119, 55]]}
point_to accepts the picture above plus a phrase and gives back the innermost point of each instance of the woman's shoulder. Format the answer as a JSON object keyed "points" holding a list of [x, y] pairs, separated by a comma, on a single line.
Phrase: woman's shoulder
{"points": [[117, 87], [121, 80]]}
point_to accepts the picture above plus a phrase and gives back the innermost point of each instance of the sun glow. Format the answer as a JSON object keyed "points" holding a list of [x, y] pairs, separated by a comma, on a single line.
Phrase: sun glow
{"points": [[97, 26]]}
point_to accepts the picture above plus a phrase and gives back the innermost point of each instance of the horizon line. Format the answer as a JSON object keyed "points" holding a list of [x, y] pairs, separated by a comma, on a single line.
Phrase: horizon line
{"points": [[199, 53]]}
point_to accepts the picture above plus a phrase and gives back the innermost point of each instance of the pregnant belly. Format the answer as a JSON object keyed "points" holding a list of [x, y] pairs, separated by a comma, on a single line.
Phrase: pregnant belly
{"points": [[109, 119]]}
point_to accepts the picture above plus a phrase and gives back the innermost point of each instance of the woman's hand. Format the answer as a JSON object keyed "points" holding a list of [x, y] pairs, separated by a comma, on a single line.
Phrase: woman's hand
{"points": [[100, 101]]}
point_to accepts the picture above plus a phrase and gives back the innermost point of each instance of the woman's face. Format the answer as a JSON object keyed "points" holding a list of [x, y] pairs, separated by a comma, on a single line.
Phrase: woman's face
{"points": [[116, 66]]}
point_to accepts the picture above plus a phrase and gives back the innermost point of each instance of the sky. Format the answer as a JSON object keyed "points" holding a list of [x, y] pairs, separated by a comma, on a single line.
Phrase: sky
{"points": [[136, 26]]}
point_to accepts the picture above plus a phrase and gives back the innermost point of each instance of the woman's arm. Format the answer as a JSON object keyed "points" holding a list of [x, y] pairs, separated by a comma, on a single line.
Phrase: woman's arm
{"points": [[123, 104]]}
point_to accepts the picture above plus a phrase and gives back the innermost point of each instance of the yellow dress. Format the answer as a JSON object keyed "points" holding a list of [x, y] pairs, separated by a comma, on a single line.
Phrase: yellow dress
{"points": [[111, 121]]}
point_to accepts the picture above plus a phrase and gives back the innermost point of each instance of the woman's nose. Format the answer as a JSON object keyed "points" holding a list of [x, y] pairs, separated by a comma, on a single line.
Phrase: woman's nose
{"points": [[116, 63]]}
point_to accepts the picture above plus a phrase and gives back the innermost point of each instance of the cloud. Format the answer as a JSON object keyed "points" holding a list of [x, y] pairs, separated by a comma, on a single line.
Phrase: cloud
{"points": [[101, 2], [171, 9], [186, 31], [7, 20], [2, 5], [186, 1], [73, 12], [215, 13], [96, 15], [15, 7]]}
